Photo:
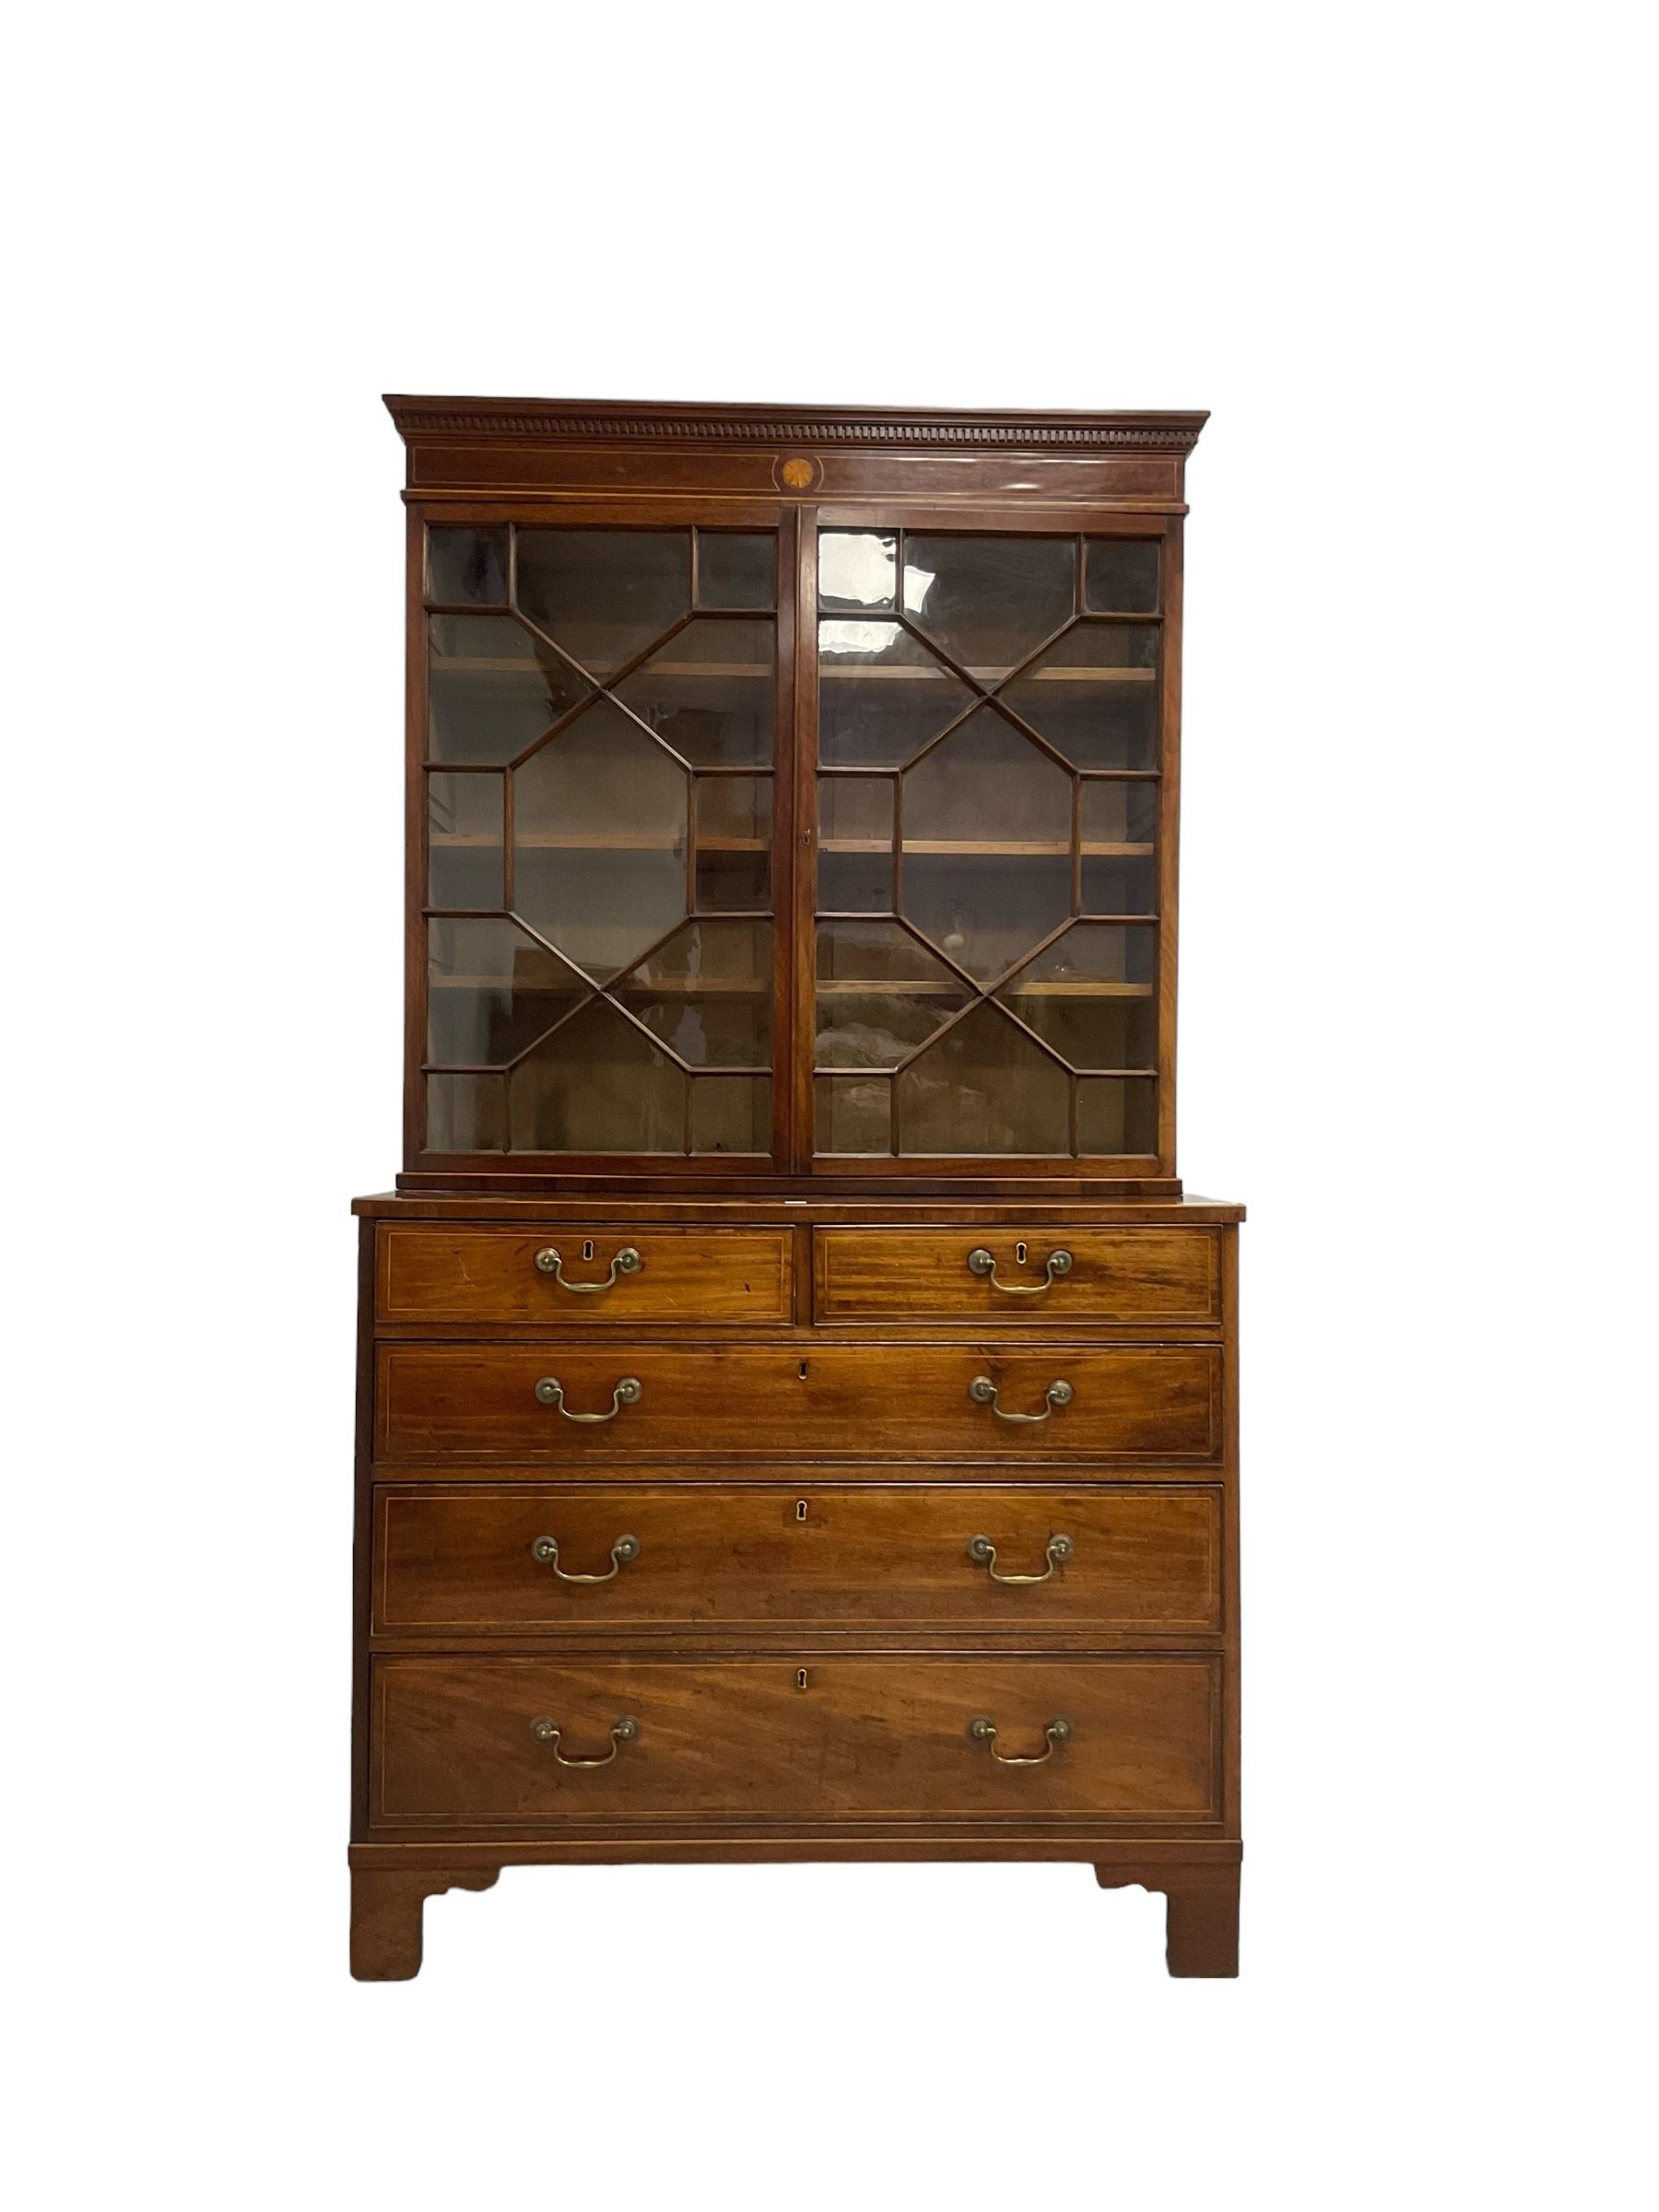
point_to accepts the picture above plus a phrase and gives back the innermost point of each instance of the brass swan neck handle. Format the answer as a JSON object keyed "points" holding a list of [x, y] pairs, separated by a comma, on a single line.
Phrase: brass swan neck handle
{"points": [[983, 1263], [623, 1553], [983, 1552], [549, 1391], [982, 1731], [983, 1390], [548, 1732], [627, 1262]]}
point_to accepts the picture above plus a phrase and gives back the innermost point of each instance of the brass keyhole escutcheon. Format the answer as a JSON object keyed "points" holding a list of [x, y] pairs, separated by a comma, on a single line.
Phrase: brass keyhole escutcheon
{"points": [[800, 1509], [800, 1677]]}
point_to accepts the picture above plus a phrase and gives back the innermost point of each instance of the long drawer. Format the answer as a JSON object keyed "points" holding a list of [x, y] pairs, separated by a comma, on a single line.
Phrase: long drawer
{"points": [[563, 1275], [1037, 1277], [523, 1558], [927, 1402], [468, 1742]]}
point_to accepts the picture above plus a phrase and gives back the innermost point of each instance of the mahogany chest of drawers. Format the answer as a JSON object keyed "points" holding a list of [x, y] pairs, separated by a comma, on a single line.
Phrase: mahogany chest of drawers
{"points": [[817, 1590], [797, 1406]]}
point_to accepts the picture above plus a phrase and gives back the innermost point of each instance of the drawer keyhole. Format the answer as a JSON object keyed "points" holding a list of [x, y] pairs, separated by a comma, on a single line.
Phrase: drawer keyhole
{"points": [[1019, 1252], [800, 1509], [587, 1249], [800, 1677]]}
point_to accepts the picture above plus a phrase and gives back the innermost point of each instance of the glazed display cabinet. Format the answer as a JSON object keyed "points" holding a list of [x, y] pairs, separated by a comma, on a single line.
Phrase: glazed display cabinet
{"points": [[797, 1409]]}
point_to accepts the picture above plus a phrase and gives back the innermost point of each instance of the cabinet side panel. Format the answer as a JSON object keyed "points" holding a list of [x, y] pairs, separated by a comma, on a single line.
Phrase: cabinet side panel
{"points": [[1231, 1722], [362, 1531], [415, 837], [1168, 846]]}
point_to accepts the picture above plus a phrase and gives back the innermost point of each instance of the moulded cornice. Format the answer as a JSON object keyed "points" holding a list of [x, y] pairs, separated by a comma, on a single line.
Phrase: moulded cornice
{"points": [[929, 428]]}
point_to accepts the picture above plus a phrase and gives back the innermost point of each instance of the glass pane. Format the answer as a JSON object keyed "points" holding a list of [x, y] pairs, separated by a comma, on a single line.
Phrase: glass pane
{"points": [[856, 568], [881, 994], [1094, 695], [709, 693], [492, 688], [1119, 575], [731, 1114], [463, 840], [1119, 819], [599, 839], [734, 843], [1116, 1116], [989, 601], [465, 1114], [736, 572], [1120, 831], [984, 1087], [1120, 886], [466, 568], [491, 991], [856, 845], [987, 845], [853, 1113], [707, 993], [1089, 996], [1097, 955], [597, 1086], [881, 695], [604, 595]]}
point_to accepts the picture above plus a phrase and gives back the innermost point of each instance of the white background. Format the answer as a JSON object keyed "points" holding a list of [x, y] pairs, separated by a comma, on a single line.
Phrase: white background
{"points": [[1395, 252]]}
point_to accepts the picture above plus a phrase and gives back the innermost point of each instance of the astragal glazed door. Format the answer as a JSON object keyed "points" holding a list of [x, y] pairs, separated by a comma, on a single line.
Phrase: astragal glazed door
{"points": [[990, 757], [601, 748]]}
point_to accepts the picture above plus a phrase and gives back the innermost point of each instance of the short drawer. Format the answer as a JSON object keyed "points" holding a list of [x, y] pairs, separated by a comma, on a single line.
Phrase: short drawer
{"points": [[463, 1742], [593, 1406], [565, 1277], [524, 1560], [1042, 1277]]}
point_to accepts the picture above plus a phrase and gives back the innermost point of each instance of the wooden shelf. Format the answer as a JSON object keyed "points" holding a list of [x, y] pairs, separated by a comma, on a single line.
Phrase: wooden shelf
{"points": [[1077, 990], [874, 673], [678, 986], [455, 664], [981, 848], [548, 841], [734, 986], [923, 848], [721, 671], [844, 987]]}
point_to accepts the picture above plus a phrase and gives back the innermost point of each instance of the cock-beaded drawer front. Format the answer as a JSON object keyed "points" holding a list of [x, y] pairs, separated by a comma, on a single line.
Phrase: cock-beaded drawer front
{"points": [[526, 1560], [573, 1276], [1041, 1277], [463, 1742], [598, 1405]]}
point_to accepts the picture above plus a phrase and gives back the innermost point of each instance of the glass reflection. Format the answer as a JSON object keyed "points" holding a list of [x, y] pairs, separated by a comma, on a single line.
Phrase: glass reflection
{"points": [[882, 695], [856, 569], [989, 601]]}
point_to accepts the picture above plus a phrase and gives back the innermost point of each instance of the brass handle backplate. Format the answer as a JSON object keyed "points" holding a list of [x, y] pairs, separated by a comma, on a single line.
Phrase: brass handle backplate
{"points": [[982, 1731], [627, 1262], [623, 1553], [983, 1552], [981, 1262], [983, 1390], [548, 1732], [629, 1392]]}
